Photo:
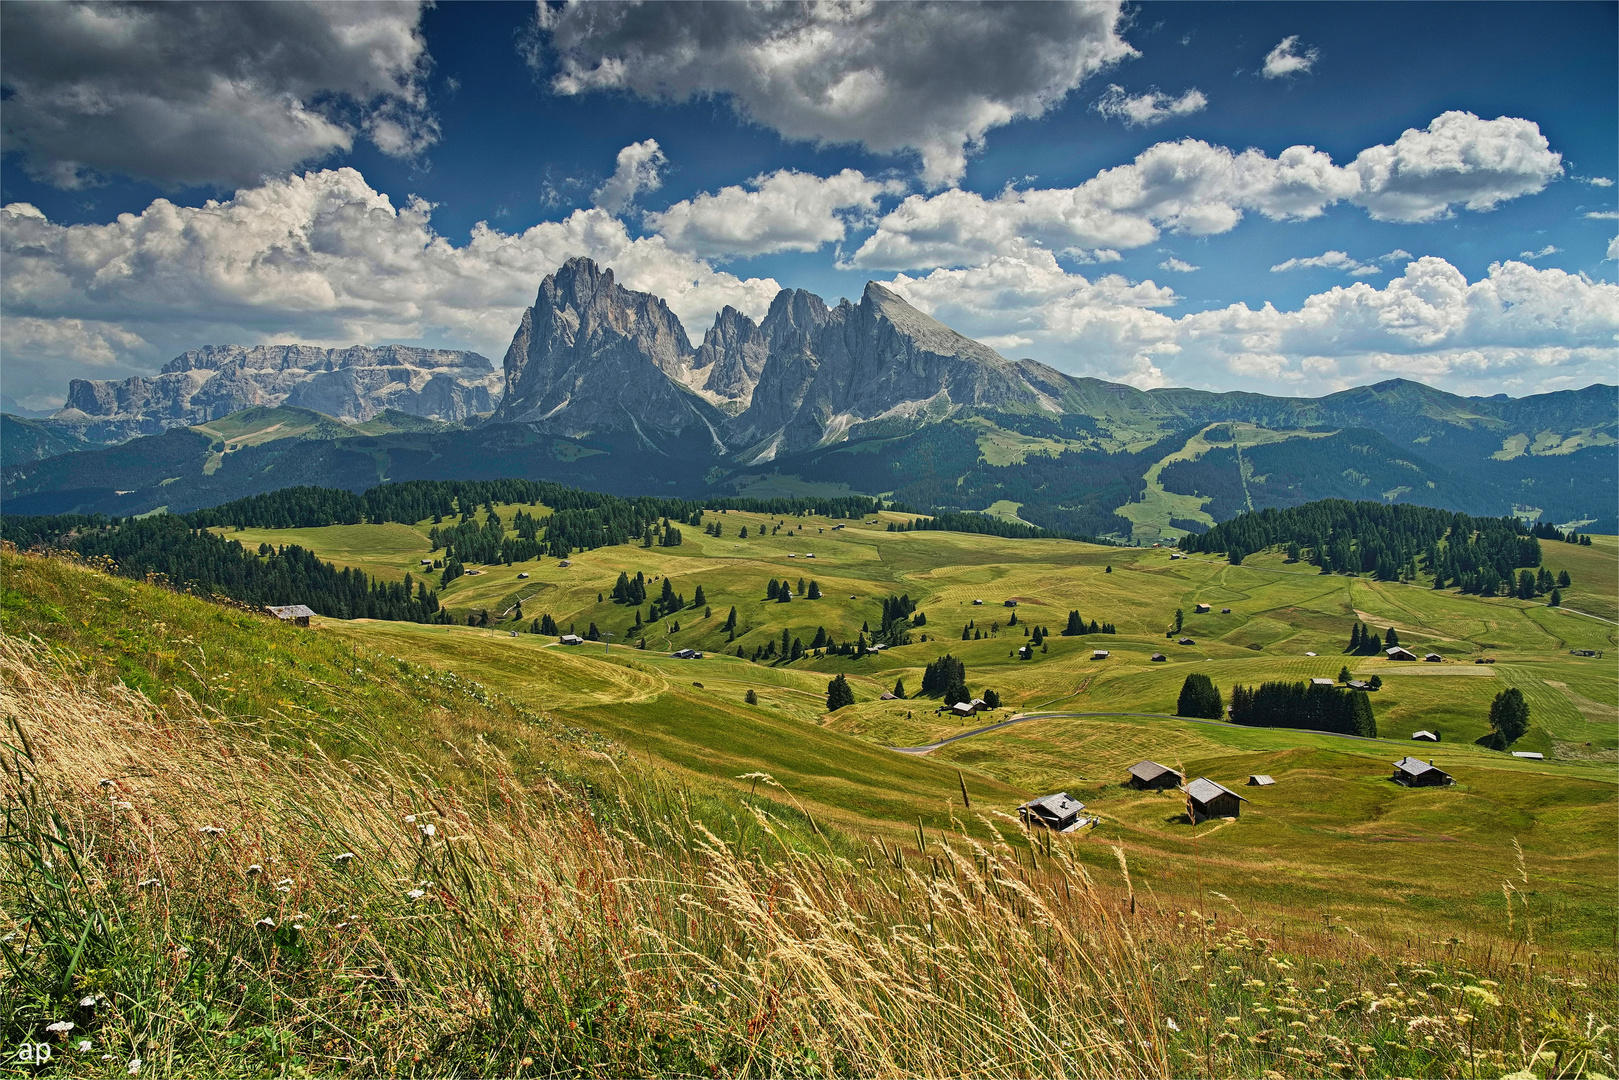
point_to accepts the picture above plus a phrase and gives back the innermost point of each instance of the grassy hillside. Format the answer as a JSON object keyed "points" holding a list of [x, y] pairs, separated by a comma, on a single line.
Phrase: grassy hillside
{"points": [[192, 891], [1317, 842]]}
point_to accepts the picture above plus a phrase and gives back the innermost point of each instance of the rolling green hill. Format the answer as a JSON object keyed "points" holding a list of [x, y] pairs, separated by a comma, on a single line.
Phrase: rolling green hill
{"points": [[1316, 841]]}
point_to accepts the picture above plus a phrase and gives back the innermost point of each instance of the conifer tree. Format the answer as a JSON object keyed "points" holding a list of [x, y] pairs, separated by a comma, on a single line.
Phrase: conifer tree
{"points": [[1509, 718], [1200, 698], [814, 591], [730, 620], [899, 689], [698, 600], [1075, 627], [838, 694]]}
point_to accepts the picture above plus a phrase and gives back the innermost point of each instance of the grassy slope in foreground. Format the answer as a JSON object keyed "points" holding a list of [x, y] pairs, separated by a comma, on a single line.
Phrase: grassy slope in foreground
{"points": [[236, 906], [1320, 841]]}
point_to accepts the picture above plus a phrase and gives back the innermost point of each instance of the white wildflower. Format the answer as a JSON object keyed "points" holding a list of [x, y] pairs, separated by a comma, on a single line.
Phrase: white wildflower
{"points": [[284, 881], [347, 856], [104, 782], [427, 830], [416, 894], [410, 819], [254, 869], [88, 1002], [134, 1066], [61, 1027], [84, 1046], [266, 922], [147, 882], [1169, 1022], [211, 830]]}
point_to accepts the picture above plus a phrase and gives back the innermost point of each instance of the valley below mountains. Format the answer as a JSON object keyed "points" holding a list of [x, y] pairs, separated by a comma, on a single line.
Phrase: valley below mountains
{"points": [[602, 388]]}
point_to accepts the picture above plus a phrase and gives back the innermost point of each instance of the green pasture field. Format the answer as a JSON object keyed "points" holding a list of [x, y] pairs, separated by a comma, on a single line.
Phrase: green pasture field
{"points": [[1334, 836]]}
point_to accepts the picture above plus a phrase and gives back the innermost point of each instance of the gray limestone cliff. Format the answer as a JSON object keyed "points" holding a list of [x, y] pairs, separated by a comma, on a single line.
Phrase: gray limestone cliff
{"points": [[355, 383]]}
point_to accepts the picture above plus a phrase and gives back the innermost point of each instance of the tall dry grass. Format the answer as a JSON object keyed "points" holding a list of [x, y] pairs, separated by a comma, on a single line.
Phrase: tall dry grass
{"points": [[193, 899]]}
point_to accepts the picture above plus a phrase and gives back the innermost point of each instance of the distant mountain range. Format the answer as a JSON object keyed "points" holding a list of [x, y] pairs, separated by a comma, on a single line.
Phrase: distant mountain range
{"points": [[602, 388]]}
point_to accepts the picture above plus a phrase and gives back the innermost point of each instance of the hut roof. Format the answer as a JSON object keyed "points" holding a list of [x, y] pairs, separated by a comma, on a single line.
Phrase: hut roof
{"points": [[1056, 806], [1322, 682], [1260, 780], [1530, 754], [1416, 767], [291, 611], [1150, 770], [1203, 789], [888, 695], [1425, 736]]}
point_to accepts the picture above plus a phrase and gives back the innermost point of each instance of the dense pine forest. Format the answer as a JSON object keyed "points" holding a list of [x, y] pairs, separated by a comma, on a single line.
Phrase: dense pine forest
{"points": [[167, 547], [1390, 542]]}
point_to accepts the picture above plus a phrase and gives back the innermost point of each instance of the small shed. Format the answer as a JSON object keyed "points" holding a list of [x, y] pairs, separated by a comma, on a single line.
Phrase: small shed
{"points": [[1357, 684], [1260, 780], [572, 639], [1206, 799], [427, 562], [1058, 812], [887, 695], [523, 576], [1202, 609], [1433, 658], [1528, 755], [1322, 682], [1008, 603], [1187, 641], [976, 603], [1025, 652], [1159, 658], [1176, 556], [565, 563], [684, 654], [1398, 653], [1151, 776], [809, 554], [1225, 611], [1099, 654], [1425, 736], [1414, 772], [297, 614], [964, 708]]}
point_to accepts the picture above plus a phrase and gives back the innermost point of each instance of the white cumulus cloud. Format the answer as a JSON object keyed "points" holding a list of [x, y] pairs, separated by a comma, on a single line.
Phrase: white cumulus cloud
{"points": [[1330, 260], [1549, 249], [1178, 265], [1286, 59], [784, 211], [1195, 188], [206, 93], [640, 168], [1145, 110], [1519, 328], [927, 78], [319, 258]]}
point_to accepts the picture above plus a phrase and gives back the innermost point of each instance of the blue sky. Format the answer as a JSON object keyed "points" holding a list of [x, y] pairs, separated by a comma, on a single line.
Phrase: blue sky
{"points": [[1291, 198]]}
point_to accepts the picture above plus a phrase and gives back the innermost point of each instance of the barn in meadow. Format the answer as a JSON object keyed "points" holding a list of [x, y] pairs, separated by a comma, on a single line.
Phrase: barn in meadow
{"points": [[1205, 799]]}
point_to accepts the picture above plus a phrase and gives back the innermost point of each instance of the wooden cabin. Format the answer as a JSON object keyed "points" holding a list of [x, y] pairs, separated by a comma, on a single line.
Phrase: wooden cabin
{"points": [[1205, 799], [1414, 772], [1057, 812], [571, 639], [297, 614], [1260, 780], [1151, 776], [1202, 609], [1425, 736], [1398, 653]]}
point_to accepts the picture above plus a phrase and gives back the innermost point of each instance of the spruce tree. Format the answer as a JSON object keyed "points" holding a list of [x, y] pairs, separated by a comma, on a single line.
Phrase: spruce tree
{"points": [[899, 689], [1392, 639], [1556, 598], [1563, 580], [992, 700], [730, 620], [1199, 698], [1075, 627], [814, 591], [773, 590], [750, 697], [1509, 717], [697, 600], [838, 694]]}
